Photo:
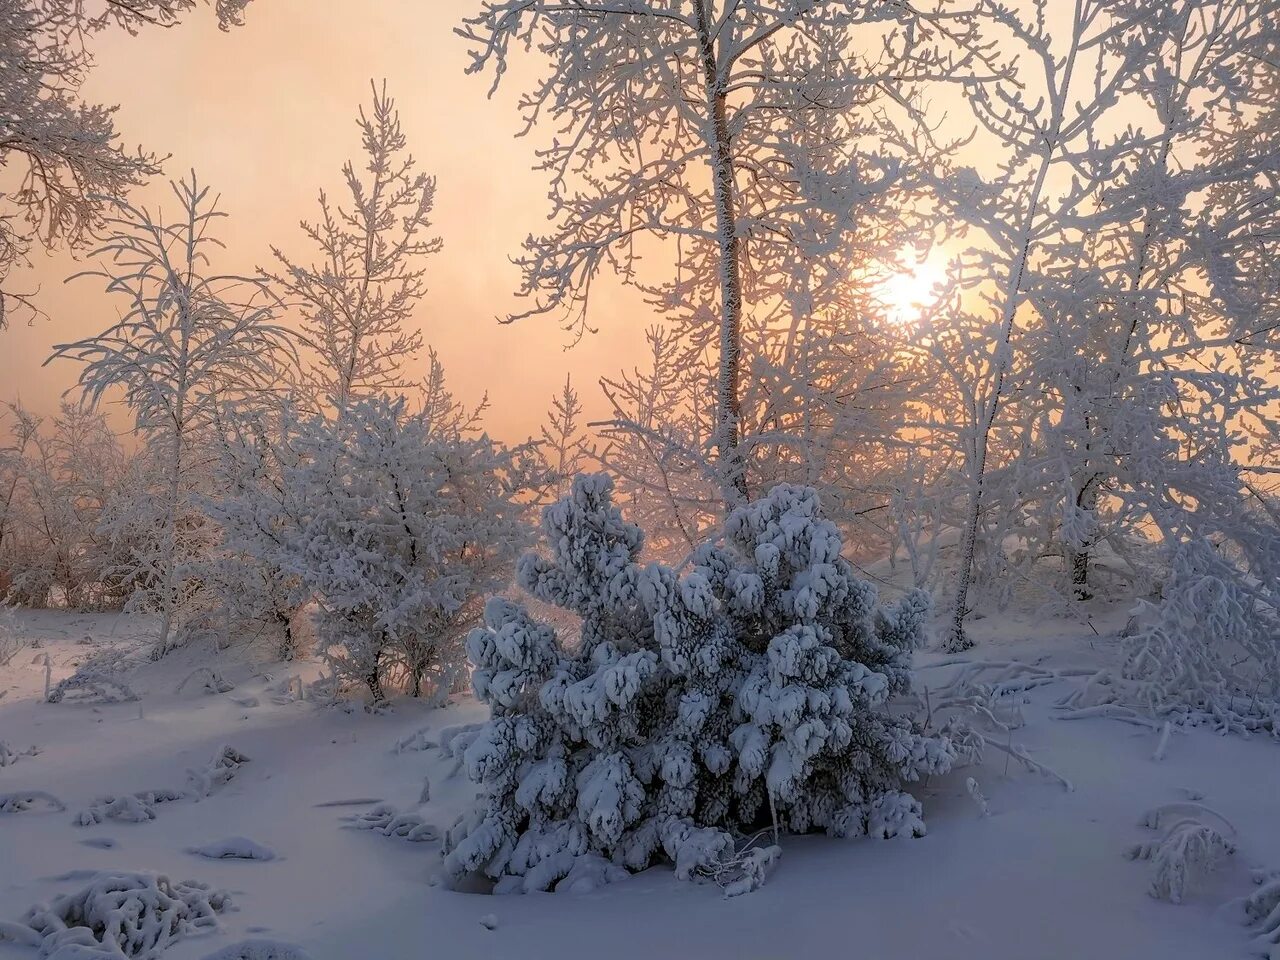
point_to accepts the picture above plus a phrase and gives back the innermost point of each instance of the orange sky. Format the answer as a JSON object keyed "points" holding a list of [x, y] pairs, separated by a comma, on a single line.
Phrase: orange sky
{"points": [[265, 116]]}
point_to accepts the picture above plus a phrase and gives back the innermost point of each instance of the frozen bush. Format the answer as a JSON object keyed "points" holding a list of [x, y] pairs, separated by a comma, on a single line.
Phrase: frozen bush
{"points": [[134, 915]]}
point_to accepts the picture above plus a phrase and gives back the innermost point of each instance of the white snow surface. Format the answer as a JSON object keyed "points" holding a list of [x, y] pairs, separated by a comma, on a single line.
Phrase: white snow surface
{"points": [[1043, 875]]}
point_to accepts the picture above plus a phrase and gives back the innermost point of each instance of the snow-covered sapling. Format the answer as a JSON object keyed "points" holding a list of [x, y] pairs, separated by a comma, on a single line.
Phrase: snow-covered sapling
{"points": [[1188, 847]]}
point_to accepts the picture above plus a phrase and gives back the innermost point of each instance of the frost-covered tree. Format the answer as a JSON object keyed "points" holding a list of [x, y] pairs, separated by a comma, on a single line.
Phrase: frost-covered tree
{"points": [[397, 525], [65, 471], [62, 157], [733, 137], [367, 279], [690, 710], [259, 518], [189, 341], [562, 443]]}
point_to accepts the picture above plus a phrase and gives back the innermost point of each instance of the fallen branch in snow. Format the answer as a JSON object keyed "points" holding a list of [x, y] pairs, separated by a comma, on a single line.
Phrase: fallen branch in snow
{"points": [[1188, 847], [353, 802], [26, 799], [94, 681], [1018, 752], [390, 822], [1111, 711], [135, 915]]}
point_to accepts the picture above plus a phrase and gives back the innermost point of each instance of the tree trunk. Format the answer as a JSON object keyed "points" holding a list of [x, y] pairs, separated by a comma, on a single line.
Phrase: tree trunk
{"points": [[1078, 557], [733, 478]]}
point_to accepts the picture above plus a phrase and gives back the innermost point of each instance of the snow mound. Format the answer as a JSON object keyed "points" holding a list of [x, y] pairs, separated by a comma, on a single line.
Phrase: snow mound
{"points": [[24, 800], [260, 950], [233, 848]]}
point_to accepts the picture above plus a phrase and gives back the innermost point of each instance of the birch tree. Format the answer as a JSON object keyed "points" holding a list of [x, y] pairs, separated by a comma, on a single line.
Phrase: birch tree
{"points": [[722, 138], [189, 341], [1051, 124]]}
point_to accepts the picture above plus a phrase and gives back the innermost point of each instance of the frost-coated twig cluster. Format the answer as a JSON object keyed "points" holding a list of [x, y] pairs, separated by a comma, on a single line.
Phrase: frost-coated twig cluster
{"points": [[692, 710], [390, 822], [1207, 653], [1188, 847], [126, 915], [981, 706]]}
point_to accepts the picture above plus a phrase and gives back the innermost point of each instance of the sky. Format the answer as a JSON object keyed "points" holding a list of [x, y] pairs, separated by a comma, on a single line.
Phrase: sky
{"points": [[265, 115]]}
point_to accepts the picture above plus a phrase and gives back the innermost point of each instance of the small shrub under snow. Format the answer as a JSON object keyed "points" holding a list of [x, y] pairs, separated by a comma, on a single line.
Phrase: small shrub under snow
{"points": [[1262, 909], [141, 806], [133, 915], [1187, 848], [23, 800], [693, 710], [390, 822]]}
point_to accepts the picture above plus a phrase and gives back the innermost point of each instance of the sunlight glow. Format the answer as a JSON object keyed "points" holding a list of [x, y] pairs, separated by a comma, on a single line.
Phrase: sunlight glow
{"points": [[905, 295]]}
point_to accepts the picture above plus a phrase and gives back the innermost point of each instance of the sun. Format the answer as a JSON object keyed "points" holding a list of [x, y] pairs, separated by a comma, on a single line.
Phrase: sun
{"points": [[906, 294]]}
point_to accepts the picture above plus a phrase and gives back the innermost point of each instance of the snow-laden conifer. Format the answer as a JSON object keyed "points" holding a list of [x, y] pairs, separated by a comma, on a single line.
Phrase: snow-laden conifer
{"points": [[752, 691]]}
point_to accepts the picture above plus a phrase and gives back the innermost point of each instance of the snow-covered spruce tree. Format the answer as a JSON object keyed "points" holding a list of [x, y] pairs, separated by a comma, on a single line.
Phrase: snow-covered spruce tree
{"points": [[752, 691]]}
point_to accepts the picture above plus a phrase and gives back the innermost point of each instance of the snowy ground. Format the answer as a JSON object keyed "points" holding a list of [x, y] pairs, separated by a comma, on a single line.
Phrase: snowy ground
{"points": [[1043, 876]]}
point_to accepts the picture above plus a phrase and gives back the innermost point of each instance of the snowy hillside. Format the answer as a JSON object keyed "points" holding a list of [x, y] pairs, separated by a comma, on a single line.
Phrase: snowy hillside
{"points": [[1043, 875]]}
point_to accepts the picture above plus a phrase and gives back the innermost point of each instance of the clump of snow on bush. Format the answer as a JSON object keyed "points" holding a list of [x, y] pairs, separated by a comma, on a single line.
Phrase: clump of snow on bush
{"points": [[693, 710], [136, 915]]}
